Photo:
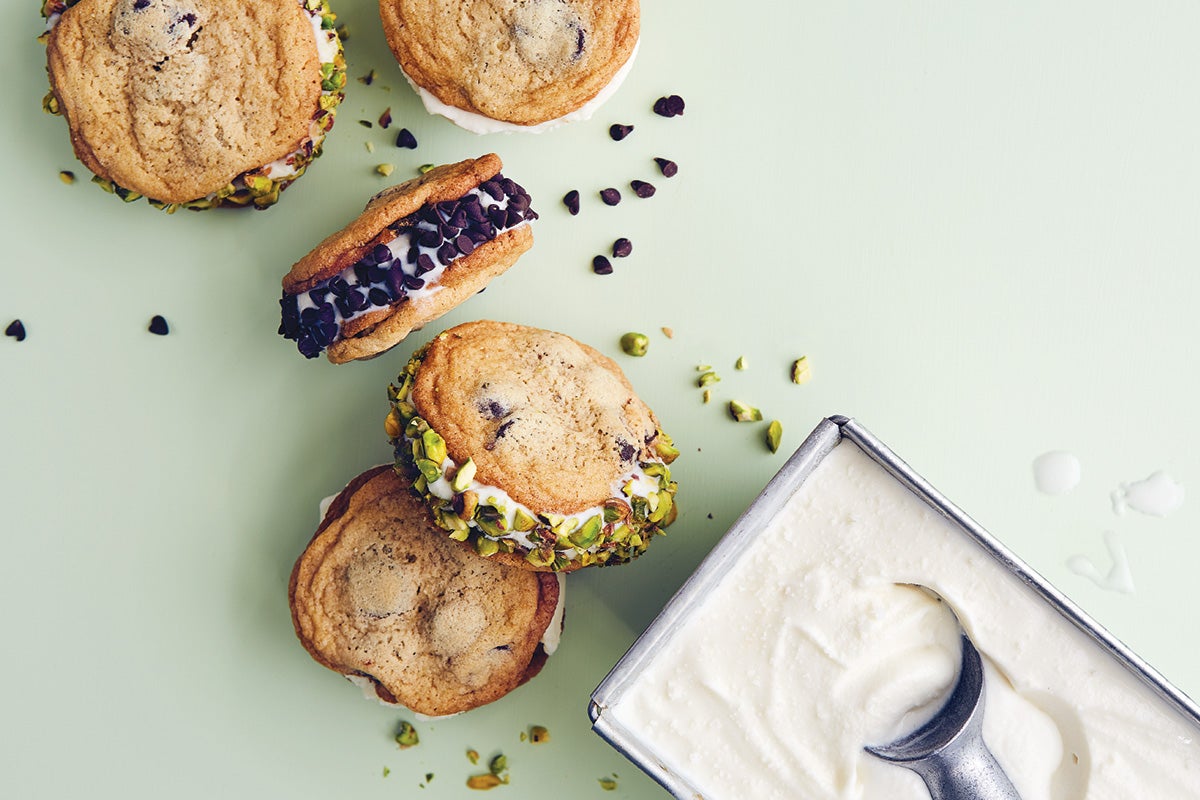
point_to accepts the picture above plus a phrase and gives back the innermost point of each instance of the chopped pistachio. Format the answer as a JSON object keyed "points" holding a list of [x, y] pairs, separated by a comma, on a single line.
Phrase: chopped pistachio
{"points": [[538, 734], [707, 395], [668, 332], [428, 777], [386, 772], [473, 756], [424, 168], [406, 735], [703, 367], [740, 363], [744, 413], [801, 373], [635, 344], [607, 784], [486, 547], [484, 782], [523, 521], [523, 736], [66, 176], [435, 446], [708, 379], [774, 435], [498, 765], [464, 476], [384, 169]]}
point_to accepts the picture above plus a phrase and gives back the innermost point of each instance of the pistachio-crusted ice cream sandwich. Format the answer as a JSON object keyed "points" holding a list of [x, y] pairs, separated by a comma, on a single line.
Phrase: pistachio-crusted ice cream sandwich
{"points": [[194, 103], [509, 65], [382, 597], [531, 447], [418, 250]]}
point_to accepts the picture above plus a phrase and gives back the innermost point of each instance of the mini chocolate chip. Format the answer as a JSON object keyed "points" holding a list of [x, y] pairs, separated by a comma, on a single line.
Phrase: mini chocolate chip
{"points": [[509, 186], [343, 306], [642, 189], [619, 132], [514, 218], [362, 273], [395, 280], [318, 295], [610, 196], [339, 287], [602, 266], [622, 247], [578, 45], [477, 236], [446, 209], [497, 215], [379, 297], [447, 231], [428, 238], [158, 326], [413, 283], [668, 167], [670, 106], [428, 214], [16, 328], [356, 300], [411, 254], [381, 254], [493, 189], [465, 244], [406, 140], [425, 264], [446, 253], [475, 212], [459, 219], [571, 201], [138, 5], [377, 274], [627, 450], [366, 123]]}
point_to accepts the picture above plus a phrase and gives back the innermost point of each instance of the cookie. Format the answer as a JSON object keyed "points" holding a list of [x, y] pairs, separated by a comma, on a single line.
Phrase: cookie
{"points": [[417, 251], [493, 65], [531, 447], [380, 596], [194, 103]]}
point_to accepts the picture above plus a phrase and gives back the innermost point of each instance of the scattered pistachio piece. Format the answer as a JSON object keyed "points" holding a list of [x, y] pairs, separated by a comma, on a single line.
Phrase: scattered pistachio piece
{"points": [[538, 734], [424, 168], [741, 363], [774, 435], [703, 367], [744, 413], [635, 344], [801, 373], [498, 765], [386, 772], [485, 781], [708, 379], [428, 777], [523, 736], [668, 332], [473, 756], [466, 474], [406, 735], [66, 176], [385, 169], [607, 784]]}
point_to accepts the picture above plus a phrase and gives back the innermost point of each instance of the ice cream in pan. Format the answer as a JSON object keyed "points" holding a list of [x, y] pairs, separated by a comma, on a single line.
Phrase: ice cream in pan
{"points": [[842, 653]]}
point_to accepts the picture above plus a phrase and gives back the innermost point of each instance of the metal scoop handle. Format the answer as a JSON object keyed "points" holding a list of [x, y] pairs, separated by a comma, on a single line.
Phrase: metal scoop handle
{"points": [[948, 752]]}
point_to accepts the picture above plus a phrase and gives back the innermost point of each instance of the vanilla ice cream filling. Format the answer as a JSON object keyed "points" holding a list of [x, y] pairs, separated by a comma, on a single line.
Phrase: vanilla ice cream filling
{"points": [[478, 123]]}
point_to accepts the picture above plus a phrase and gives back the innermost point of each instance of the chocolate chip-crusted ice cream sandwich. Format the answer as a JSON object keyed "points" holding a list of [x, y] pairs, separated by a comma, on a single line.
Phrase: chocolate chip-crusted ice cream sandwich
{"points": [[531, 447], [382, 597], [194, 103], [504, 65], [418, 250]]}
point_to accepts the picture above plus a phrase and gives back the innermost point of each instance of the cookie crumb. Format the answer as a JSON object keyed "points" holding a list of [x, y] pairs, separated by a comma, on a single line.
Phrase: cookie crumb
{"points": [[668, 332], [618, 132], [610, 196], [16, 329], [406, 139], [158, 325], [385, 169]]}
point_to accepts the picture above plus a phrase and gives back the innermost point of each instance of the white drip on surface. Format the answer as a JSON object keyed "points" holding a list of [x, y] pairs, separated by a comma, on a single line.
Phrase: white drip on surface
{"points": [[1119, 577], [1159, 495], [1056, 472]]}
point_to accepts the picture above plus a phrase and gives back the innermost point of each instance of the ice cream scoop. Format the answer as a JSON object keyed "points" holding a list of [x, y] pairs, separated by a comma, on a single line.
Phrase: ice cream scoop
{"points": [[948, 751]]}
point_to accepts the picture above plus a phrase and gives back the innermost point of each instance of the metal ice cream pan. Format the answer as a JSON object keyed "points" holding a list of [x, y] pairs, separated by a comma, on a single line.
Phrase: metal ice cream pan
{"points": [[819, 444]]}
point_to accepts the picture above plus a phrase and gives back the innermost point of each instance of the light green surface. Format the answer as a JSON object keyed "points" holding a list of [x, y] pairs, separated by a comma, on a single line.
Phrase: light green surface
{"points": [[979, 222]]}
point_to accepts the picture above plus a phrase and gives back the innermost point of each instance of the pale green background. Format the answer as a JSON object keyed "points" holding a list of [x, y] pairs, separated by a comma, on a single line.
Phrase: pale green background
{"points": [[978, 220]]}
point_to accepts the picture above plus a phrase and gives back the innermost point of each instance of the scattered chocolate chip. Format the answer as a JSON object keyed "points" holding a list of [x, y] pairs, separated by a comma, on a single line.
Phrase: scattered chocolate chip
{"points": [[610, 196], [619, 132], [385, 119], [366, 123], [138, 5], [710, 516], [601, 266], [622, 247], [367, 79], [642, 189], [406, 140], [668, 167], [16, 329], [671, 106], [571, 201], [158, 325], [66, 176]]}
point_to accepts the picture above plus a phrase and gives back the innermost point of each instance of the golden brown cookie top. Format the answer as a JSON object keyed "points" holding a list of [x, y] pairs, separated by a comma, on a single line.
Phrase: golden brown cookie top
{"points": [[174, 99], [549, 420], [382, 594], [523, 62]]}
